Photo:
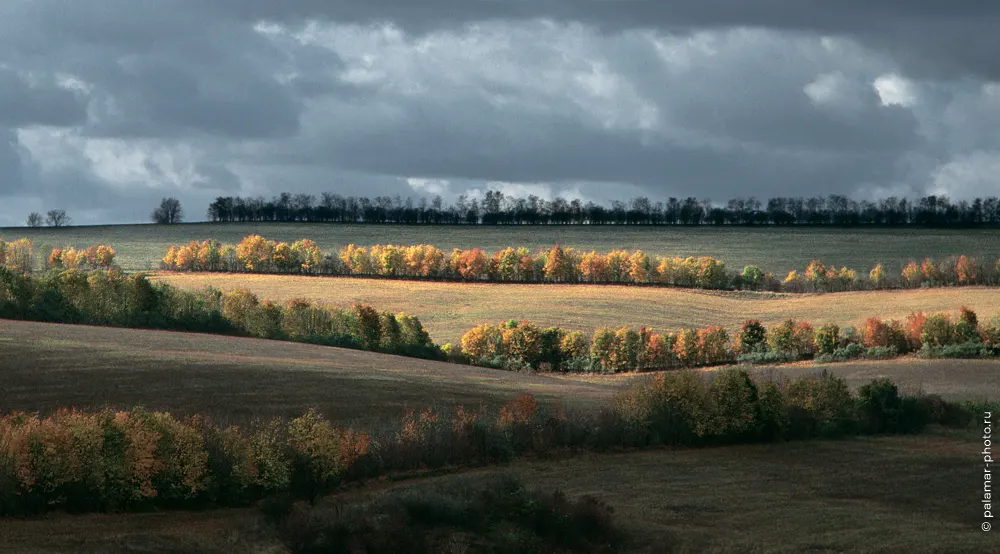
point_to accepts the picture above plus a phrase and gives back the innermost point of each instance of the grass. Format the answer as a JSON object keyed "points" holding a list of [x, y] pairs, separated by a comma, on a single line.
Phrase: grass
{"points": [[140, 247], [448, 310], [909, 494]]}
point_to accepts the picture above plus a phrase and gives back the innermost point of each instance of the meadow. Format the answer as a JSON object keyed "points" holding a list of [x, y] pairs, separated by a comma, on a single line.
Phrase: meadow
{"points": [[447, 310], [911, 494], [774, 249]]}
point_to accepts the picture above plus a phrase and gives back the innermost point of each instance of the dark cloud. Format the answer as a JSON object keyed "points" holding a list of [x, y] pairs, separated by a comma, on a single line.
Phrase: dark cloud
{"points": [[106, 107]]}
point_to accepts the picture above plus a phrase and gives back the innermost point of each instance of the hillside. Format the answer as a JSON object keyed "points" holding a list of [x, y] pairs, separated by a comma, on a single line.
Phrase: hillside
{"points": [[45, 366], [447, 310]]}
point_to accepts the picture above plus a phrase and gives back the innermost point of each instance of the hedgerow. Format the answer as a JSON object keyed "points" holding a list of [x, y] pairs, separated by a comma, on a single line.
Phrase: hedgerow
{"points": [[558, 264], [114, 298], [515, 345], [138, 459]]}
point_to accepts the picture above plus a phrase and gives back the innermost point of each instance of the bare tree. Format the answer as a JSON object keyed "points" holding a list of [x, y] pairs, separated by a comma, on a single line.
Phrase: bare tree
{"points": [[34, 219], [169, 212], [57, 218]]}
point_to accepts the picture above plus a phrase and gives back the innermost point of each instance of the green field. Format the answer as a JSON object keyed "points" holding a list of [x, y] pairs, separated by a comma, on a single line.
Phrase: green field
{"points": [[779, 250]]}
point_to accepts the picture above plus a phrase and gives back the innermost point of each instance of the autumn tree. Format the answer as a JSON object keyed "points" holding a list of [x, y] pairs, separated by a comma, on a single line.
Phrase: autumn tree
{"points": [[877, 276], [255, 253], [482, 342], [575, 345]]}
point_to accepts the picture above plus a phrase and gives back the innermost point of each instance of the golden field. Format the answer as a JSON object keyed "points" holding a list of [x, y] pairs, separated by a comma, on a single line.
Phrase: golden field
{"points": [[447, 310]]}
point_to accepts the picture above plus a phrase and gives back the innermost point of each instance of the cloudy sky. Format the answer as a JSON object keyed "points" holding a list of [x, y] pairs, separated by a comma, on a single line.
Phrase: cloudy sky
{"points": [[107, 106]]}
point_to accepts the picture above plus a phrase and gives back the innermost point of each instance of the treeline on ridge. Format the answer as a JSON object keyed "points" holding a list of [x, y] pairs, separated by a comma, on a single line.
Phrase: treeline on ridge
{"points": [[137, 459], [558, 264], [113, 298], [495, 208], [522, 345]]}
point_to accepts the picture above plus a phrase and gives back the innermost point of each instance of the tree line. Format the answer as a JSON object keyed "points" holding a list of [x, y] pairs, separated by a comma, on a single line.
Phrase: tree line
{"points": [[496, 208], [139, 459], [256, 254], [113, 298], [522, 345]]}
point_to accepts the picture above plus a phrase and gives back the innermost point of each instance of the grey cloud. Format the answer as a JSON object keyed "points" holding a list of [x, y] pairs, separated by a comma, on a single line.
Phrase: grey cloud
{"points": [[714, 98], [23, 103], [932, 37]]}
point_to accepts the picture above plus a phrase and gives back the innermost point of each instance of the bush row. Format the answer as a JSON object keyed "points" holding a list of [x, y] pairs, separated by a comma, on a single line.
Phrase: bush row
{"points": [[122, 460], [496, 515], [522, 345], [19, 256], [114, 298], [556, 265]]}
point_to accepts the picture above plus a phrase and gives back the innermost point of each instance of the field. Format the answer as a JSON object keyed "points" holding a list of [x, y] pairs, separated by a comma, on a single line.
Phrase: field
{"points": [[233, 379], [898, 494], [140, 247], [908, 494], [447, 310]]}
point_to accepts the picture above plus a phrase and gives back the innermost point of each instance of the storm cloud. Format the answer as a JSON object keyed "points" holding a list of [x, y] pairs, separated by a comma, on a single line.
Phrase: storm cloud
{"points": [[106, 107]]}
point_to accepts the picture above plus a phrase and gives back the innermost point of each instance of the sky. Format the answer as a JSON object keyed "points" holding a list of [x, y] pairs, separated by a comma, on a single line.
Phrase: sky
{"points": [[106, 107]]}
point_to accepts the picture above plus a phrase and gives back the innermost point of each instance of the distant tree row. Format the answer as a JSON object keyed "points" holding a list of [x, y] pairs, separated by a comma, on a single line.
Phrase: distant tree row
{"points": [[497, 208], [256, 254]]}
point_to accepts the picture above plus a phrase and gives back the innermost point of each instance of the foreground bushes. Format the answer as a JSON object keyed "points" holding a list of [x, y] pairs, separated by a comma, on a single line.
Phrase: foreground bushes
{"points": [[129, 300], [126, 460], [521, 345], [499, 516]]}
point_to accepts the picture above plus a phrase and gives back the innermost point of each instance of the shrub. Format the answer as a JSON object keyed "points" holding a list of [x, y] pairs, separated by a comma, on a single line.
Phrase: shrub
{"points": [[876, 332], [768, 357], [938, 330], [625, 350], [482, 342], [713, 345], [686, 347], [602, 345], [824, 406], [849, 352], [320, 454], [793, 337], [574, 345], [736, 417], [827, 338], [752, 277], [881, 352], [880, 403], [877, 276], [752, 337]]}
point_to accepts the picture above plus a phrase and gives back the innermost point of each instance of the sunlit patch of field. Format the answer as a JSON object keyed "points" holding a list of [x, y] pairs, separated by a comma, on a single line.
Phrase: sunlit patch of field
{"points": [[447, 310]]}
